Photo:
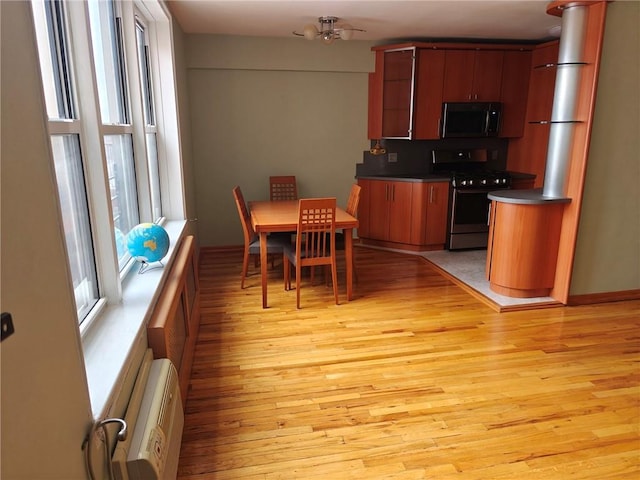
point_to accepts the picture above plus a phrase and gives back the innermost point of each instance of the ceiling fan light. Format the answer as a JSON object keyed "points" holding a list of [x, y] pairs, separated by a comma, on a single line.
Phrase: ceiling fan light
{"points": [[328, 37], [347, 32], [310, 31]]}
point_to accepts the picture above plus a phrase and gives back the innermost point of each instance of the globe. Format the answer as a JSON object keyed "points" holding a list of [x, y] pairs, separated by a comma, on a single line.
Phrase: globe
{"points": [[148, 242]]}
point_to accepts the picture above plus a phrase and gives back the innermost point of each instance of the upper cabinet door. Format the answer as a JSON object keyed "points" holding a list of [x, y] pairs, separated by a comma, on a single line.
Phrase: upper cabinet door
{"points": [[487, 75], [472, 76], [428, 94], [458, 76], [397, 93]]}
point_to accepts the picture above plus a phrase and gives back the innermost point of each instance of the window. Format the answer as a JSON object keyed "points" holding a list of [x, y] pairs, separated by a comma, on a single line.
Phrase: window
{"points": [[103, 125], [144, 66], [113, 92], [64, 128]]}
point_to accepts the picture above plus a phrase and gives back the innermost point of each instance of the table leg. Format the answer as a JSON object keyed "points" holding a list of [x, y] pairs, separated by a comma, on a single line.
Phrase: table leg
{"points": [[263, 267], [348, 257]]}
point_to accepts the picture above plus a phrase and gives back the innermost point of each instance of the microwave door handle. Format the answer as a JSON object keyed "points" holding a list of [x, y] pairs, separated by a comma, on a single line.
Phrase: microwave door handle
{"points": [[487, 122]]}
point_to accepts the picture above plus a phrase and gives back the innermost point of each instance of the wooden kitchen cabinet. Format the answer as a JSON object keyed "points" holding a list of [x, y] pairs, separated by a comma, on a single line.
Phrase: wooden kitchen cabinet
{"points": [[437, 206], [528, 270], [390, 211], [473, 75], [411, 215], [393, 83], [428, 94], [412, 80], [543, 80], [429, 214], [516, 69], [529, 152], [405, 94]]}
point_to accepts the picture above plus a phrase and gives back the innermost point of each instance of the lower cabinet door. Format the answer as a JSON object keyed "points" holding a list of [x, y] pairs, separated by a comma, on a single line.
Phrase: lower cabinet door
{"points": [[436, 213], [400, 212]]}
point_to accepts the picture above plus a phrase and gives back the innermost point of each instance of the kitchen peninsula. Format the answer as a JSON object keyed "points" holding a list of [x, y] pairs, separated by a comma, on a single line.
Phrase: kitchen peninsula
{"points": [[415, 208]]}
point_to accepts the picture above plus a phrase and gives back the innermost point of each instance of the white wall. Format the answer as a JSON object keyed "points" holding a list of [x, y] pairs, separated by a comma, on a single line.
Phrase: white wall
{"points": [[608, 247], [263, 107], [45, 400], [184, 125]]}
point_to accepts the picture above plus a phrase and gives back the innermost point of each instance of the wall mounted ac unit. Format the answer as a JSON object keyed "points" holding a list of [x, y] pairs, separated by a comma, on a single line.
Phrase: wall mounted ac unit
{"points": [[152, 450]]}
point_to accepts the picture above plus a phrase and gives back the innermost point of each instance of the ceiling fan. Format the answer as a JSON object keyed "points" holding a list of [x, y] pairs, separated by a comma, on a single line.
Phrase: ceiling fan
{"points": [[329, 30]]}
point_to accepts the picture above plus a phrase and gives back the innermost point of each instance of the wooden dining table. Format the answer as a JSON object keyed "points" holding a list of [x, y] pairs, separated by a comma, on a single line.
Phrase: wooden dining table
{"points": [[282, 216]]}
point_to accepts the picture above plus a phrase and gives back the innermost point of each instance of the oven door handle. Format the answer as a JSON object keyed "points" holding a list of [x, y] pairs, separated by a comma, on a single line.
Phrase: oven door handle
{"points": [[470, 191]]}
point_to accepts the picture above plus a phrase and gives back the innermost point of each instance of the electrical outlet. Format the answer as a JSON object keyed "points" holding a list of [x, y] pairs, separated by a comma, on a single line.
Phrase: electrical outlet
{"points": [[392, 158]]}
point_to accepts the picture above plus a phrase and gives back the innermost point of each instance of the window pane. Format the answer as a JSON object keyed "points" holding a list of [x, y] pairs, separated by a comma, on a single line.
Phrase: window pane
{"points": [[154, 176], [75, 219], [53, 51], [106, 37], [146, 88], [145, 74], [122, 185]]}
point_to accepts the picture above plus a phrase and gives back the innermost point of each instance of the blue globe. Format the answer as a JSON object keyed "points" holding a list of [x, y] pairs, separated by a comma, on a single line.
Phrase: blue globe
{"points": [[148, 242]]}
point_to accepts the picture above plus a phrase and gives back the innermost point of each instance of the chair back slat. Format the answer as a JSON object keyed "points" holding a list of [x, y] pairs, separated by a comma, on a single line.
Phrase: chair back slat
{"points": [[283, 187]]}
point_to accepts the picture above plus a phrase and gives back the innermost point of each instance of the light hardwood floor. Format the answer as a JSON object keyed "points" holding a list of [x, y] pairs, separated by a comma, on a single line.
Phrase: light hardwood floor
{"points": [[413, 379]]}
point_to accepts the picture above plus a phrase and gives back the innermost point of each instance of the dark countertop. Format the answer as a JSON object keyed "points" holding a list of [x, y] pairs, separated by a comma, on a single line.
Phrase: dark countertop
{"points": [[408, 177], [430, 177], [525, 197]]}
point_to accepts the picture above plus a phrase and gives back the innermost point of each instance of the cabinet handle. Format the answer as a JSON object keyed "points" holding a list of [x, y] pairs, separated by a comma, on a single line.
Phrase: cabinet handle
{"points": [[489, 214], [431, 194]]}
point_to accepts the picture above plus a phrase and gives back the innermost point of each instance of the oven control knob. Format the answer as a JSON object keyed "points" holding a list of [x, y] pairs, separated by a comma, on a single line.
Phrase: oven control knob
{"points": [[470, 182], [483, 181]]}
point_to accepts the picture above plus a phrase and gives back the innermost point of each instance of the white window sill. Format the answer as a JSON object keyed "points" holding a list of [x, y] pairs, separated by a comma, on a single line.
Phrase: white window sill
{"points": [[109, 343]]}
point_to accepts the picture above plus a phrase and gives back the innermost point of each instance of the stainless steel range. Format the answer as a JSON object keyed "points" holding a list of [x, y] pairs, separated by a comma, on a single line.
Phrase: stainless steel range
{"points": [[471, 181]]}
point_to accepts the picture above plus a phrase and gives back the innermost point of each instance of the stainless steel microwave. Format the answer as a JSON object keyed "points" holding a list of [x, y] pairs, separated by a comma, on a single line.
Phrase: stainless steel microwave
{"points": [[470, 119]]}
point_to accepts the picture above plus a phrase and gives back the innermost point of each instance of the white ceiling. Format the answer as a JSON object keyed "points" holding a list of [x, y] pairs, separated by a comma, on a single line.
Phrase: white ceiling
{"points": [[385, 21]]}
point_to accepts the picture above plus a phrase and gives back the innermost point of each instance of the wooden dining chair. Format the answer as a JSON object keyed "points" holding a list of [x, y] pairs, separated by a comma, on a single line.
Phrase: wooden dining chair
{"points": [[316, 225], [283, 187], [352, 209], [275, 245]]}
